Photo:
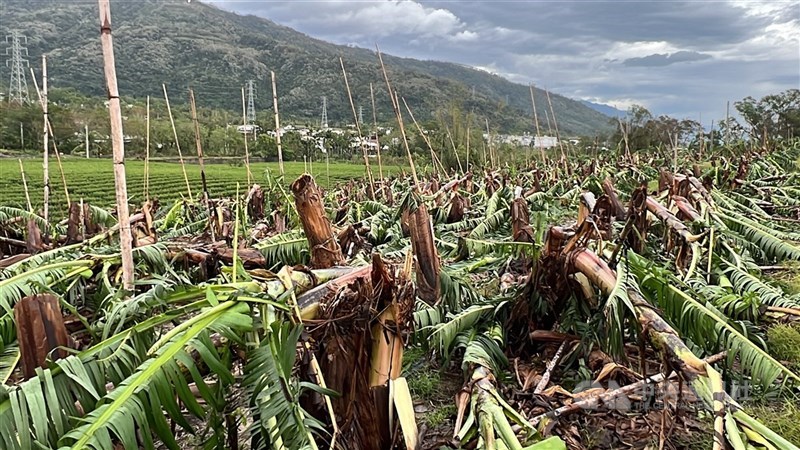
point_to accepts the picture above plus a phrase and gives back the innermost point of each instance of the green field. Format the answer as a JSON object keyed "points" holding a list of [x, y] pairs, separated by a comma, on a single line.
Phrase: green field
{"points": [[93, 179]]}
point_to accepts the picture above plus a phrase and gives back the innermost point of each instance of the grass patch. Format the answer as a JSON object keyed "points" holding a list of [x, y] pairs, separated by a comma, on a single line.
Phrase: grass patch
{"points": [[781, 417], [440, 416], [784, 342]]}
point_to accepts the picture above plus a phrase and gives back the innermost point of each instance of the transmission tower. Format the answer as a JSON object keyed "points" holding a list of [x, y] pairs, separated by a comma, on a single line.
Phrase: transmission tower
{"points": [[251, 102], [17, 53], [360, 114], [323, 123]]}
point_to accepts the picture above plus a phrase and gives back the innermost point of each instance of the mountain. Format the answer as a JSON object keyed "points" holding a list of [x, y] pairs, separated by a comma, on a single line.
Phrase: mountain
{"points": [[193, 44], [607, 110]]}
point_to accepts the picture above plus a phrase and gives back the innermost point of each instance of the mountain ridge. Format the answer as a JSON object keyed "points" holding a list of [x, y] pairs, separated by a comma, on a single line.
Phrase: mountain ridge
{"points": [[215, 51]]}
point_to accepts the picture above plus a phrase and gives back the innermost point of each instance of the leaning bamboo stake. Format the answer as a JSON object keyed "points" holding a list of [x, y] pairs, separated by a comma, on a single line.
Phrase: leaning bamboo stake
{"points": [[277, 121], [377, 134], [434, 158], [177, 143], [49, 131], [118, 145], [25, 185], [358, 128], [555, 125], [45, 161], [536, 123], [147, 154], [246, 150], [455, 151], [199, 145], [399, 116]]}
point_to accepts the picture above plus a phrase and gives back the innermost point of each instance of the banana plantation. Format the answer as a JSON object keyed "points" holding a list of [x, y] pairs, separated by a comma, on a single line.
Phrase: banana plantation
{"points": [[629, 295]]}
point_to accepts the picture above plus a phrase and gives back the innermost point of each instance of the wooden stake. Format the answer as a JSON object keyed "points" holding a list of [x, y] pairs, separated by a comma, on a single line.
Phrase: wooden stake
{"points": [[199, 145], [246, 150], [434, 158], [399, 116], [358, 128], [118, 145], [177, 144], [147, 154], [555, 124], [455, 150], [536, 122], [277, 121], [49, 130], [25, 186], [375, 126], [489, 143], [45, 135]]}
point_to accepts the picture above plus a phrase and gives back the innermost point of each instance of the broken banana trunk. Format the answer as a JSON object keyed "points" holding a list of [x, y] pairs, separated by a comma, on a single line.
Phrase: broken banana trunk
{"points": [[364, 326], [424, 249], [325, 250], [703, 378], [491, 416]]}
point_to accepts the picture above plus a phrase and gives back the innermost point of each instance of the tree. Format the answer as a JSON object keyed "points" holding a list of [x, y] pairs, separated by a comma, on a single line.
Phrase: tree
{"points": [[775, 116]]}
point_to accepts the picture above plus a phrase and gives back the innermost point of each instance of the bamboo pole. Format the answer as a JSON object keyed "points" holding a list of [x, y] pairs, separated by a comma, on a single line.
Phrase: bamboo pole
{"points": [[246, 150], [198, 144], [147, 154], [277, 121], [536, 123], [177, 144], [49, 127], [455, 151], [555, 125], [377, 134], [434, 158], [489, 144], [46, 160], [358, 128], [25, 186], [118, 145], [399, 116]]}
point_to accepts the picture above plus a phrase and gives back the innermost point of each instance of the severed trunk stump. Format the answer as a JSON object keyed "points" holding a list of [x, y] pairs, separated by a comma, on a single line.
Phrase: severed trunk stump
{"points": [[428, 264], [619, 208], [325, 251], [521, 222], [74, 224], [40, 331], [33, 240]]}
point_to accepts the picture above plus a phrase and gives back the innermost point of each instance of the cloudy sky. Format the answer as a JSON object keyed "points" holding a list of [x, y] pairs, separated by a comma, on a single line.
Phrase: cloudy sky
{"points": [[683, 58]]}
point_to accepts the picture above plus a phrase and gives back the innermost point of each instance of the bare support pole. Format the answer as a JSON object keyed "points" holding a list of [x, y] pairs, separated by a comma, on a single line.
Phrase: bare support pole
{"points": [[277, 121], [118, 145], [45, 136], [536, 123], [358, 128], [377, 134], [25, 186], [49, 130], [555, 124], [199, 145], [399, 116], [177, 143], [246, 150], [146, 154]]}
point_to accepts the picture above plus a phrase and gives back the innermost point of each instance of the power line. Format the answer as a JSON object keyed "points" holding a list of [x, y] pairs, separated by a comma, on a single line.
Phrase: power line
{"points": [[18, 87]]}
